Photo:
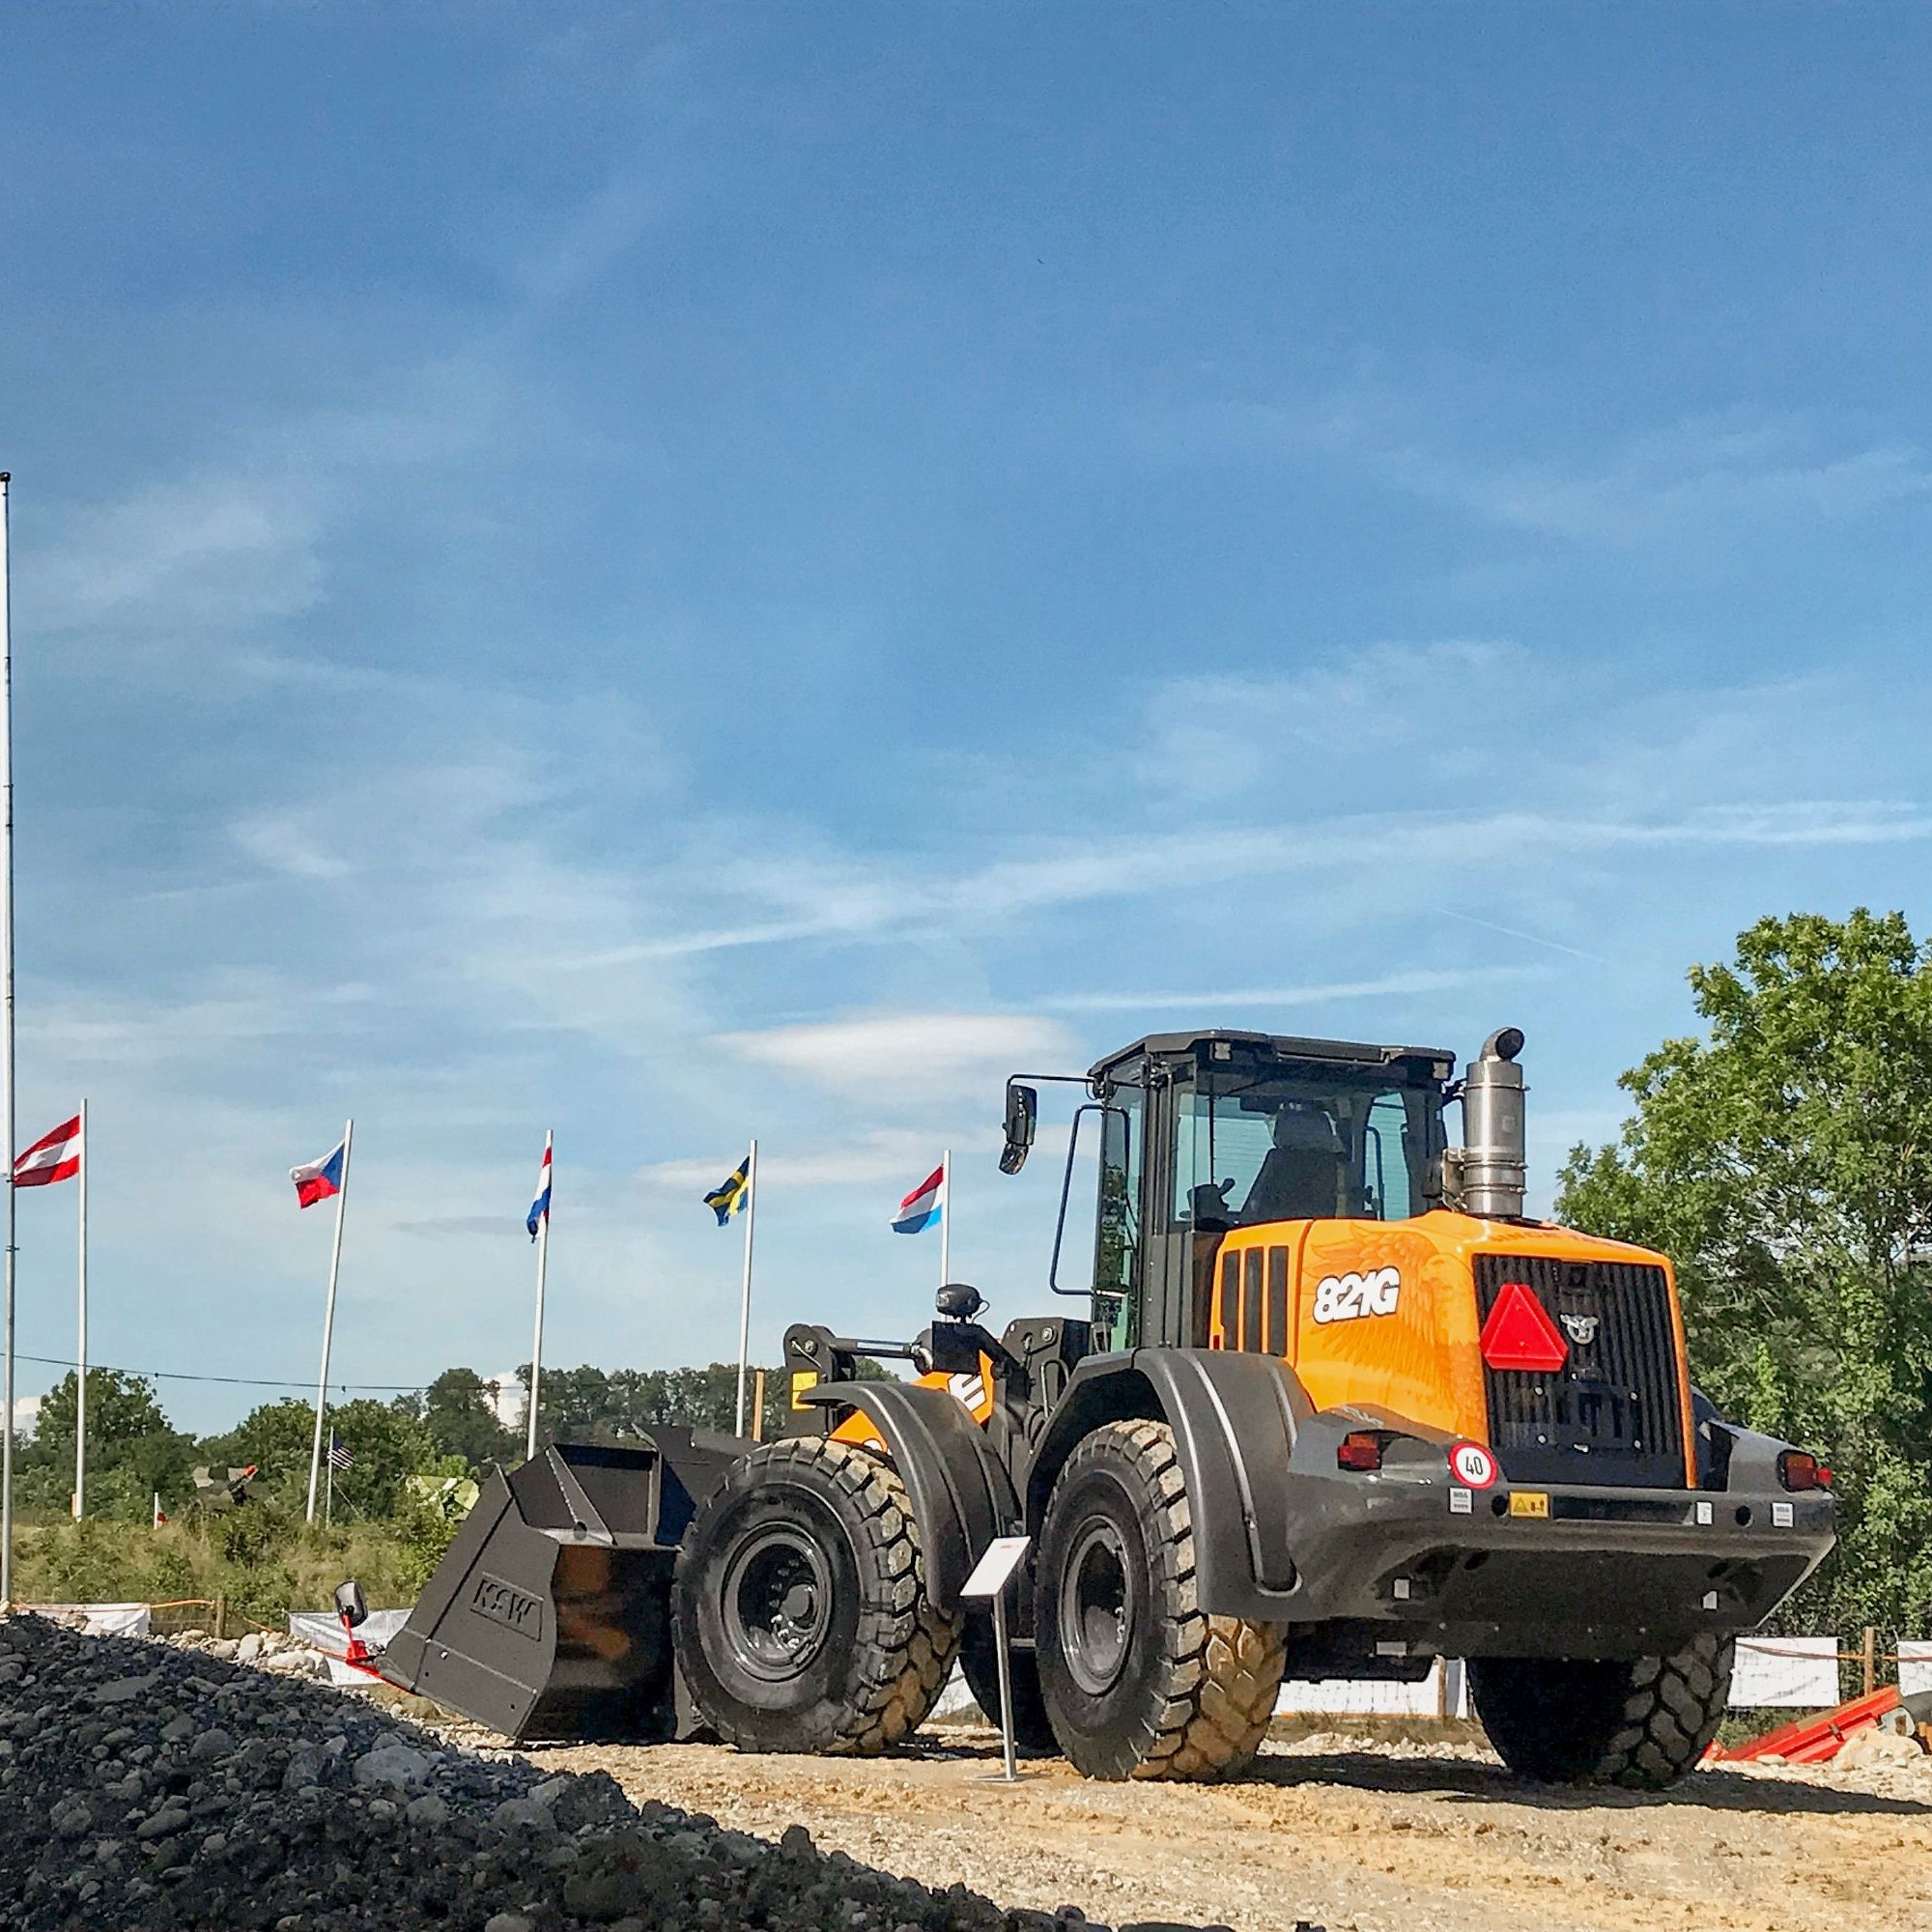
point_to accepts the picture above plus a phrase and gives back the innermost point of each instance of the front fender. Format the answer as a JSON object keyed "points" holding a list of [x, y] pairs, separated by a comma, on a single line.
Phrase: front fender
{"points": [[1234, 1418], [961, 1497]]}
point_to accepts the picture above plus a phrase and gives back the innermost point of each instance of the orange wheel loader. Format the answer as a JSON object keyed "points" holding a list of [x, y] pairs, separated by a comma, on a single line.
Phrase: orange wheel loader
{"points": [[1331, 1405]]}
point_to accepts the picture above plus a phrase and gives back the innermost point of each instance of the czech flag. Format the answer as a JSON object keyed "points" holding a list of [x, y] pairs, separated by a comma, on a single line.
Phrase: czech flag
{"points": [[923, 1206], [54, 1156], [540, 1208], [319, 1180]]}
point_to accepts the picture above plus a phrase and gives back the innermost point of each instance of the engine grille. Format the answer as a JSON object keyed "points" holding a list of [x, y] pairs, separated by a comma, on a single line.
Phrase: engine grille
{"points": [[1612, 1413]]}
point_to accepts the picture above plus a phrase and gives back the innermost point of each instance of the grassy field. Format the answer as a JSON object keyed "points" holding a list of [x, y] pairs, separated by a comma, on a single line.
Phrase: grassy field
{"points": [[260, 1560]]}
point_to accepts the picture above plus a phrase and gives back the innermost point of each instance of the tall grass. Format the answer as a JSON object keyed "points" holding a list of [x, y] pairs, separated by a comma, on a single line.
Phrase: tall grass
{"points": [[262, 1560]]}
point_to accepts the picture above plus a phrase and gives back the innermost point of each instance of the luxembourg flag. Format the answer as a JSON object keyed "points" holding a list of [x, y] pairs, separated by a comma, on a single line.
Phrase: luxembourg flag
{"points": [[539, 1214], [320, 1179], [924, 1206]]}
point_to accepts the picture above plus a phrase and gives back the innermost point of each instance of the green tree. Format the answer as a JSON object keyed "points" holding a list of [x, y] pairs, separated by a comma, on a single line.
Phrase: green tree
{"points": [[387, 1445], [131, 1449], [1784, 1162], [456, 1412]]}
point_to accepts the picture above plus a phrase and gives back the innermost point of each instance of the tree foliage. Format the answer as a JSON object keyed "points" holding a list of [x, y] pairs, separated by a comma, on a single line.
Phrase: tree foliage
{"points": [[388, 1446], [457, 1413], [132, 1451], [1784, 1162]]}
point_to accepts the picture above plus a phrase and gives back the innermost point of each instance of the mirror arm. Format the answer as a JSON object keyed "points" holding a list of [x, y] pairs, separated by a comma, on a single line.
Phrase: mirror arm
{"points": [[1065, 1191]]}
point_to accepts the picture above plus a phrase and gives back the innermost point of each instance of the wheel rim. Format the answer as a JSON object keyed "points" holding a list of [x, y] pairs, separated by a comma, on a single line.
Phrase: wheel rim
{"points": [[777, 1603], [1095, 1608]]}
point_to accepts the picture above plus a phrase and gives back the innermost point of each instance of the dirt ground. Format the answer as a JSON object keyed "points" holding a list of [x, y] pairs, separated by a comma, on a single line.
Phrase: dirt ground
{"points": [[1350, 1834]]}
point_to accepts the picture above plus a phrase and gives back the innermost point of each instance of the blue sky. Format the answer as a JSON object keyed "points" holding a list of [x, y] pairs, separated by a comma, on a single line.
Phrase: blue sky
{"points": [[679, 572]]}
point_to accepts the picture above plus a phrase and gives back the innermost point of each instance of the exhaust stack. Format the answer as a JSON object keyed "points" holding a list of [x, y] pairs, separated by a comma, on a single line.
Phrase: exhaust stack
{"points": [[1493, 1168]]}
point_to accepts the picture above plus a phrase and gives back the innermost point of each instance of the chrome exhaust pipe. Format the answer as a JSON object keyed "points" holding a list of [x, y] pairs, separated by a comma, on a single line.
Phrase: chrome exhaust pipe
{"points": [[1495, 1160]]}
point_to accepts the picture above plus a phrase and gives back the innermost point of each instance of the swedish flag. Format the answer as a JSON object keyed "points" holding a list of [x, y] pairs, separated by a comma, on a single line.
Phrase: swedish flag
{"points": [[730, 1196]]}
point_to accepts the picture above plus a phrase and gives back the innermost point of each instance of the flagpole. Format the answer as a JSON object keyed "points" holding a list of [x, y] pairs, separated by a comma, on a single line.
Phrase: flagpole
{"points": [[7, 1031], [944, 1217], [745, 1304], [536, 1345], [80, 1377], [329, 1320]]}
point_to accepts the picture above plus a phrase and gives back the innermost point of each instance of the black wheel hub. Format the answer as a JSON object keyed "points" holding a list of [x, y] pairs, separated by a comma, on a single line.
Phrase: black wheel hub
{"points": [[777, 1603], [1097, 1621]]}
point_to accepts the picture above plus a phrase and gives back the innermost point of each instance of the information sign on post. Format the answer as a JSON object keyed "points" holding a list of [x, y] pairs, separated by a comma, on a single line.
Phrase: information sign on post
{"points": [[989, 1578]]}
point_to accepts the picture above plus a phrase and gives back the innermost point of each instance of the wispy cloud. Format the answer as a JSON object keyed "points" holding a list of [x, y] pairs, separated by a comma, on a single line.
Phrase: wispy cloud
{"points": [[896, 1056], [224, 550], [1731, 470], [1389, 985]]}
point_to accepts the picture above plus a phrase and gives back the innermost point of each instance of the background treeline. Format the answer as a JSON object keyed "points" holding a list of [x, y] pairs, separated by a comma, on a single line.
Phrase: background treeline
{"points": [[262, 1558]]}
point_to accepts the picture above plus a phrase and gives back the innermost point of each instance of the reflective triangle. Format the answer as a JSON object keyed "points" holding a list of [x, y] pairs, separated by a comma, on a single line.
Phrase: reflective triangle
{"points": [[1520, 1333]]}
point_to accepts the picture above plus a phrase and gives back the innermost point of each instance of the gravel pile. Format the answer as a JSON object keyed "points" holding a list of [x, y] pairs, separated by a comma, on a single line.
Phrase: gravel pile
{"points": [[148, 1785]]}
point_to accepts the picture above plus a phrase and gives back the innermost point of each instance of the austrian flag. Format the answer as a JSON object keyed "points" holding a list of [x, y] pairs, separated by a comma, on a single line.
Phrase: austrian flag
{"points": [[319, 1180], [54, 1156]]}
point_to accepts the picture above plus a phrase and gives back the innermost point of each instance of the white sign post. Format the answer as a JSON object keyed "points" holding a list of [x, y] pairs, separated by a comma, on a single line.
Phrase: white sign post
{"points": [[989, 1578]]}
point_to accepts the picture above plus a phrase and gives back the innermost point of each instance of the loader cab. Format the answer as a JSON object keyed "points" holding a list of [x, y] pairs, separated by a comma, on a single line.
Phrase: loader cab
{"points": [[1204, 1133]]}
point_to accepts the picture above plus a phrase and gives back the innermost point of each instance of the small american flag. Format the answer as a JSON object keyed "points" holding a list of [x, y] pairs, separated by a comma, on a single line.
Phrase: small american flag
{"points": [[339, 1454]]}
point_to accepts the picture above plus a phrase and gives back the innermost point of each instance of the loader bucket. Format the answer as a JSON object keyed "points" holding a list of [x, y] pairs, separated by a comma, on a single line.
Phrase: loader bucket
{"points": [[549, 1615]]}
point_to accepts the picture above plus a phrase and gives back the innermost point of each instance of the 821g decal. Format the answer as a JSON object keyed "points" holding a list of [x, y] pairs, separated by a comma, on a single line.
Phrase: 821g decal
{"points": [[1348, 1298]]}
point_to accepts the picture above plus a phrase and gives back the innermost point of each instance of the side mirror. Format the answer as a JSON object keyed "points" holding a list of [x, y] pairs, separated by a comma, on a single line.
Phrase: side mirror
{"points": [[350, 1605], [1022, 1115]]}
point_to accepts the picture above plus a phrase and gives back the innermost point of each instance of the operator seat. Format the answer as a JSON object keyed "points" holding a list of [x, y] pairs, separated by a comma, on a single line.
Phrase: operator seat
{"points": [[1305, 1171]]}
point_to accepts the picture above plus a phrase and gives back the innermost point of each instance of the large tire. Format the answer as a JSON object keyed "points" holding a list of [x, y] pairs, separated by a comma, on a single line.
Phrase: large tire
{"points": [[799, 1608], [1643, 1724], [980, 1664], [1136, 1680]]}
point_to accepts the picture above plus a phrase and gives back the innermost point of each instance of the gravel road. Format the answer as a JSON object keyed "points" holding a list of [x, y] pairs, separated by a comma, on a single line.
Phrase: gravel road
{"points": [[1352, 1835], [144, 1785]]}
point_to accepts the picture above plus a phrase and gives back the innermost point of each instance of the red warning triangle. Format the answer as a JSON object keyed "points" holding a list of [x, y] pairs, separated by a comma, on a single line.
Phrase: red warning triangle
{"points": [[1520, 1333]]}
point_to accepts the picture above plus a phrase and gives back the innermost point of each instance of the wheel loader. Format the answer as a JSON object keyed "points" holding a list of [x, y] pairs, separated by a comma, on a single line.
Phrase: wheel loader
{"points": [[1329, 1403]]}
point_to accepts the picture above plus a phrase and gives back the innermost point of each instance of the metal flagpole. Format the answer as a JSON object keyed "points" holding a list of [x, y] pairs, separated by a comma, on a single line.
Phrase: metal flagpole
{"points": [[329, 1320], [329, 1502], [536, 1345], [80, 1377], [744, 1306], [7, 1034], [946, 1217]]}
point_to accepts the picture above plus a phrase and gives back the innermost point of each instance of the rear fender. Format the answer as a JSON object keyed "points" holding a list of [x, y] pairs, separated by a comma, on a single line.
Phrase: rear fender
{"points": [[961, 1496], [1234, 1418]]}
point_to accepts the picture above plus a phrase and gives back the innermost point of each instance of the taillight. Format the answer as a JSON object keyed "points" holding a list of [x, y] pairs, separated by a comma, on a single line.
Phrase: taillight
{"points": [[1360, 1450], [1800, 1469]]}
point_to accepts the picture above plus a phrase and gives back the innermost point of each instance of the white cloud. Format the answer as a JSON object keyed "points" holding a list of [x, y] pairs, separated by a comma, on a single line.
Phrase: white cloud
{"points": [[1389, 985], [211, 551], [892, 1056]]}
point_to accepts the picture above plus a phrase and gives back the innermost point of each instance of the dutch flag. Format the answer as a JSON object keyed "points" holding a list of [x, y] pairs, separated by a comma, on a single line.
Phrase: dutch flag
{"points": [[319, 1178], [924, 1206], [539, 1214]]}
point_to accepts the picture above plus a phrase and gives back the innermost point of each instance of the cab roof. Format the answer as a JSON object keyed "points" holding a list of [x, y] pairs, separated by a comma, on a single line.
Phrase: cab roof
{"points": [[1199, 1046]]}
